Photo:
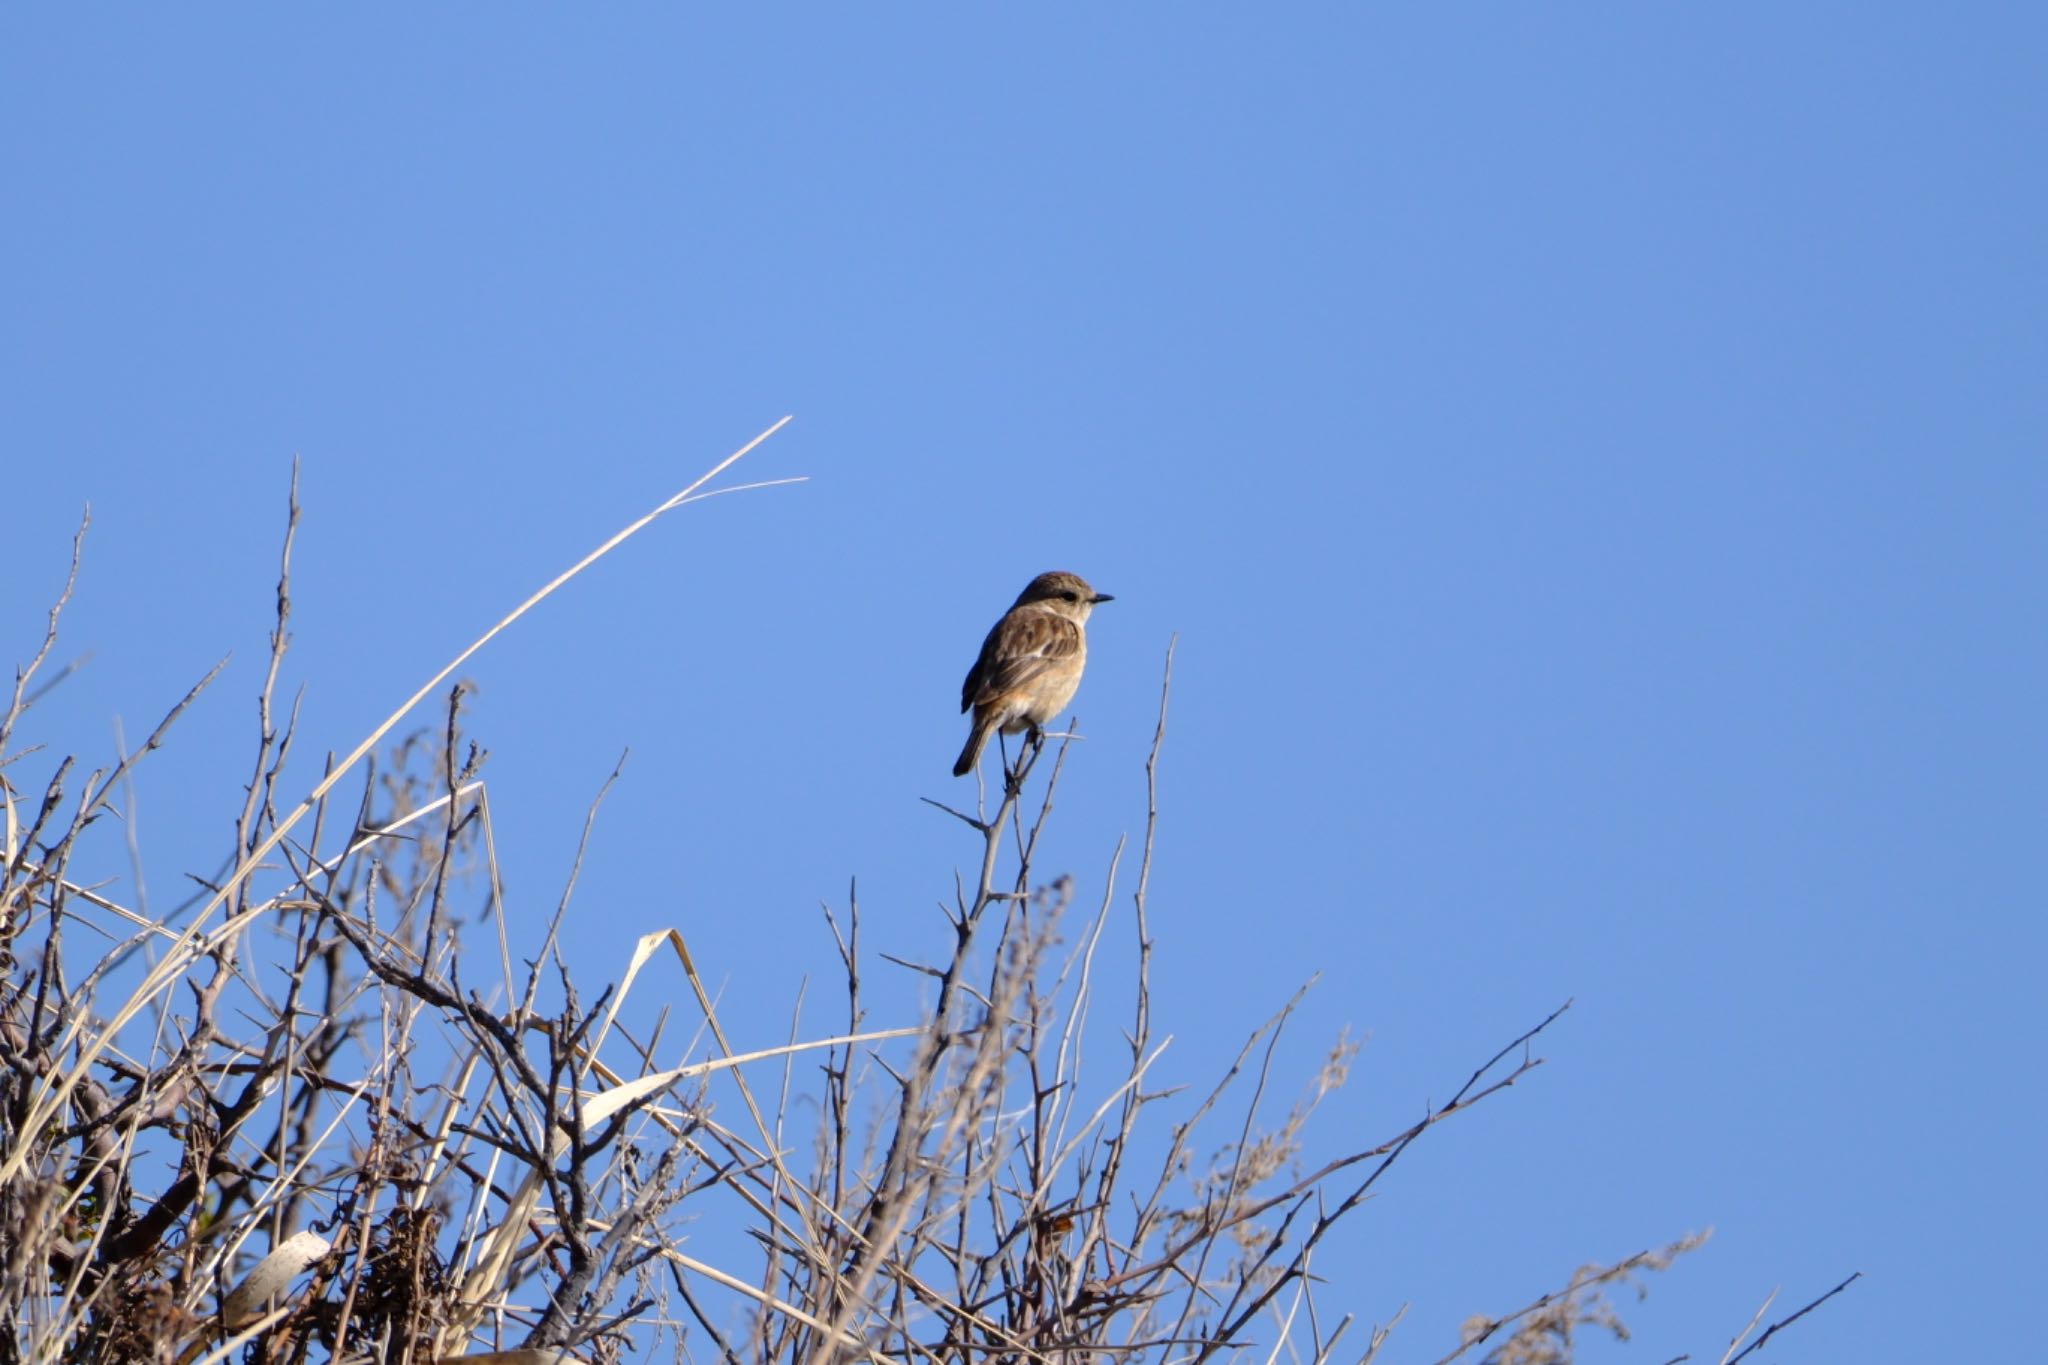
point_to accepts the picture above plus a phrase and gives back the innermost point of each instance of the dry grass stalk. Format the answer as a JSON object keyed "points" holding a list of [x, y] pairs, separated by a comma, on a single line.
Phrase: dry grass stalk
{"points": [[279, 1123]]}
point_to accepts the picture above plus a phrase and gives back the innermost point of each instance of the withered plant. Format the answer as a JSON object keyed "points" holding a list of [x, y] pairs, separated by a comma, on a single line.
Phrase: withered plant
{"points": [[285, 1122]]}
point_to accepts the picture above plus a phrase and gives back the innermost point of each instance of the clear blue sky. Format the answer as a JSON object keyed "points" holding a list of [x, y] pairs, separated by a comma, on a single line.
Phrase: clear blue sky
{"points": [[1593, 459]]}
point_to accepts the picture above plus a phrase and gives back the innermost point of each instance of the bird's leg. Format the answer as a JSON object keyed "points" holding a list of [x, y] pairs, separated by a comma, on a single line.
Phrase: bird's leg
{"points": [[1034, 741], [1027, 755]]}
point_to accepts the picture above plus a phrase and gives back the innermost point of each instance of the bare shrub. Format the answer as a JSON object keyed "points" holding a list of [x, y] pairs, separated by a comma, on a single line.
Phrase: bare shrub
{"points": [[296, 1130]]}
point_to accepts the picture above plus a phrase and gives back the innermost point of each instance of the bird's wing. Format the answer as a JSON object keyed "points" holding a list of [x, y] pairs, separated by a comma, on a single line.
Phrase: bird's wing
{"points": [[1023, 645]]}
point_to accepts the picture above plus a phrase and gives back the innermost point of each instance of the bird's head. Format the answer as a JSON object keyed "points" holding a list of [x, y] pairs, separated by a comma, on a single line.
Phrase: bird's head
{"points": [[1066, 593]]}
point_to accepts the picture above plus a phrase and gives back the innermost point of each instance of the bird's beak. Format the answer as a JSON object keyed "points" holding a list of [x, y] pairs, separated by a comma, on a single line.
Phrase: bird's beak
{"points": [[1103, 597]]}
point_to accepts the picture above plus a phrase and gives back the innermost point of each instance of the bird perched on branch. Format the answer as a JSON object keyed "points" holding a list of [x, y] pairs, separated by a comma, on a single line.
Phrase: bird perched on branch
{"points": [[1030, 663]]}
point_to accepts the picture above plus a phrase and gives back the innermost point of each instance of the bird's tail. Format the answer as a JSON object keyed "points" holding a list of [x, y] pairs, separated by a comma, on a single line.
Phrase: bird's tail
{"points": [[983, 723]]}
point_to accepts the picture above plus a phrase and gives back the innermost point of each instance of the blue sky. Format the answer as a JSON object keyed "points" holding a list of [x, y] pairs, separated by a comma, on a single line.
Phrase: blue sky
{"points": [[1591, 458]]}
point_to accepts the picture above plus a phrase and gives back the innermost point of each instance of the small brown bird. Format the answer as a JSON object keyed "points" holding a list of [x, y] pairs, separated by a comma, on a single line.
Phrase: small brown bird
{"points": [[1030, 663]]}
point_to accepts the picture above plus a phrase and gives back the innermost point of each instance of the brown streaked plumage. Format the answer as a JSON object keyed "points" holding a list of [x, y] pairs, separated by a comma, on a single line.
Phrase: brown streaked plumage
{"points": [[1030, 663]]}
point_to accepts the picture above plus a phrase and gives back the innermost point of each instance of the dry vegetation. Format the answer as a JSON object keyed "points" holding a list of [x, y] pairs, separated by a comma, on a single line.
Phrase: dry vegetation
{"points": [[282, 1122]]}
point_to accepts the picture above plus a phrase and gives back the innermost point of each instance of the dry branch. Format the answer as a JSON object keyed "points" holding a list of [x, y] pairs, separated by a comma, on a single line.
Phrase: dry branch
{"points": [[296, 1132]]}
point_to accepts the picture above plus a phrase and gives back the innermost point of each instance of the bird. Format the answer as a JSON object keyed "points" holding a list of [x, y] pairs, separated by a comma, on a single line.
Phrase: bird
{"points": [[1030, 663]]}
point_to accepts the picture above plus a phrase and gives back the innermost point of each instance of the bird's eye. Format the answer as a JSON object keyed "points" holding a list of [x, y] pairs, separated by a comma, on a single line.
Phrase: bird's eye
{"points": [[1071, 597]]}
